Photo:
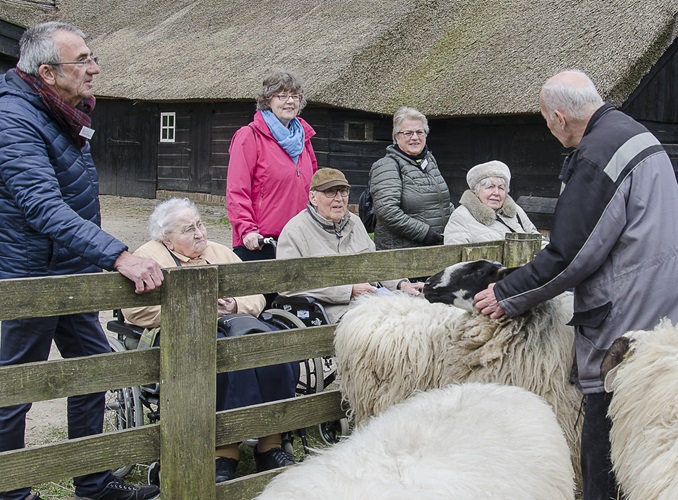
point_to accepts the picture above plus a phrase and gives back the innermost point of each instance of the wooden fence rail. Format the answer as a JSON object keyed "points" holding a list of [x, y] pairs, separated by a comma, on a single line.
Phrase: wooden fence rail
{"points": [[188, 359]]}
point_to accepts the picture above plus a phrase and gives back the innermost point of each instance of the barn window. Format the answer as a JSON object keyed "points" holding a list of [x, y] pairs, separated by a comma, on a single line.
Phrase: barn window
{"points": [[168, 126], [358, 131]]}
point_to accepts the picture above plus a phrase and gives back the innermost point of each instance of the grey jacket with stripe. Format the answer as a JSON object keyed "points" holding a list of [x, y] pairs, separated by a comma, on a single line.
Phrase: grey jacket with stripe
{"points": [[614, 239]]}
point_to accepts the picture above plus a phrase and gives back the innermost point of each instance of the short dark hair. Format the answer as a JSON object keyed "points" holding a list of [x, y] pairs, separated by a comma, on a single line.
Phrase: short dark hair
{"points": [[280, 81]]}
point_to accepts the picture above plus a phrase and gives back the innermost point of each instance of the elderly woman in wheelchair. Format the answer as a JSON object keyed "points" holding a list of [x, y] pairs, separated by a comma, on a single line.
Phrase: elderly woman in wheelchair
{"points": [[326, 227], [179, 238]]}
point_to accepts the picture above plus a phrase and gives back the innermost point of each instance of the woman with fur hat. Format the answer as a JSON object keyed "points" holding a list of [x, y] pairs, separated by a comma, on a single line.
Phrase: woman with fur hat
{"points": [[486, 211]]}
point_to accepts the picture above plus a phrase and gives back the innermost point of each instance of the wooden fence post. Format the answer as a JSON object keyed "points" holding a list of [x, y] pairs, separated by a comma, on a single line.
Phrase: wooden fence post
{"points": [[520, 248], [188, 382]]}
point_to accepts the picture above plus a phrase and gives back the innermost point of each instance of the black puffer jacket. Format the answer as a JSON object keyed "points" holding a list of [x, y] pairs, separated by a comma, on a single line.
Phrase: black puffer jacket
{"points": [[408, 200]]}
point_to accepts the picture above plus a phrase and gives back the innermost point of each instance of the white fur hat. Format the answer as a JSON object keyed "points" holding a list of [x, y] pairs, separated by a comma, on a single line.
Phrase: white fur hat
{"points": [[482, 171]]}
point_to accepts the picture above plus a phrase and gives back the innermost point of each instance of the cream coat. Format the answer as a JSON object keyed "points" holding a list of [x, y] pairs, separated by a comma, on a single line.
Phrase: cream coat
{"points": [[475, 222]]}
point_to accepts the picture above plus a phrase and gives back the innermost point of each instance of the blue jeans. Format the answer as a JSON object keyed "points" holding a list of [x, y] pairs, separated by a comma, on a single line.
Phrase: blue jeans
{"points": [[29, 340]]}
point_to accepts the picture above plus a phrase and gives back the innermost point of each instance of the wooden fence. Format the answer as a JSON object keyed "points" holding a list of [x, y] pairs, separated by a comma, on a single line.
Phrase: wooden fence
{"points": [[185, 438]]}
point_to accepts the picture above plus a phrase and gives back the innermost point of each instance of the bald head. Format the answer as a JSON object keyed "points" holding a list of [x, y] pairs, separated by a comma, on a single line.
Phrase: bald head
{"points": [[571, 92], [568, 100]]}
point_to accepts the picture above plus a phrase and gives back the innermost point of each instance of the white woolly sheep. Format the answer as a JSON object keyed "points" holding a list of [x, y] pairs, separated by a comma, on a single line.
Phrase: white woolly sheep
{"points": [[458, 442], [389, 347], [644, 412]]}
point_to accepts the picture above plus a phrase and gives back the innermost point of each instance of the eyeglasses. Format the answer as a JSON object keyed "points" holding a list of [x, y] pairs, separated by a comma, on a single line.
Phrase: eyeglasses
{"points": [[410, 133], [192, 229], [332, 192], [285, 97], [89, 60]]}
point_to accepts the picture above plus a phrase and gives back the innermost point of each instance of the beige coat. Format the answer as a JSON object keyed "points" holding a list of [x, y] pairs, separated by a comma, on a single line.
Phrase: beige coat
{"points": [[303, 236], [215, 253]]}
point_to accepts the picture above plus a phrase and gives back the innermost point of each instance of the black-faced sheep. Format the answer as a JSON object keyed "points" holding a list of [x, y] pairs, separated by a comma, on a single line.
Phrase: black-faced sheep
{"points": [[644, 411], [387, 348], [465, 442]]}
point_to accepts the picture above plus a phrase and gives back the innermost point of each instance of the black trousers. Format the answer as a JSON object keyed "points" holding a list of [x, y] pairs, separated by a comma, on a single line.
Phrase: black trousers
{"points": [[596, 465], [29, 340]]}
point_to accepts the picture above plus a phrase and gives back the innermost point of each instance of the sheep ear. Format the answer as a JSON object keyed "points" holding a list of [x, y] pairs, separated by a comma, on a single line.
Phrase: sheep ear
{"points": [[610, 377], [504, 272]]}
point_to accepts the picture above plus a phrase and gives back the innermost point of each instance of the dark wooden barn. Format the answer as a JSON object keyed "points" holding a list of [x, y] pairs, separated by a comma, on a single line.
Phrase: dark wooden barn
{"points": [[177, 83]]}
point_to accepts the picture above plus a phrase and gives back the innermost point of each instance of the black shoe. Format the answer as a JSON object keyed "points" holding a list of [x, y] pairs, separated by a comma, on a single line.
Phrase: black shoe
{"points": [[119, 490], [272, 459], [225, 468]]}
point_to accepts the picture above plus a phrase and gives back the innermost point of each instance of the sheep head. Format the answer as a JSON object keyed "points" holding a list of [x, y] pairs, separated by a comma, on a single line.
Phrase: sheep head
{"points": [[457, 284]]}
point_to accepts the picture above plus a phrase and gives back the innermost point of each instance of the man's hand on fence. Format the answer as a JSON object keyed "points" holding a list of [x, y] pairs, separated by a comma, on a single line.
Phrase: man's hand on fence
{"points": [[145, 273], [486, 303]]}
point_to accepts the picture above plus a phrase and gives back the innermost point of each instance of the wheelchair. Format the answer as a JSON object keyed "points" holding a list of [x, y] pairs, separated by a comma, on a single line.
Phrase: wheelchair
{"points": [[323, 371], [131, 407]]}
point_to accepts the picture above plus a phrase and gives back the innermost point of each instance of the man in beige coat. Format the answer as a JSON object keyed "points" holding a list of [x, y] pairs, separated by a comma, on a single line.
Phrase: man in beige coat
{"points": [[326, 227]]}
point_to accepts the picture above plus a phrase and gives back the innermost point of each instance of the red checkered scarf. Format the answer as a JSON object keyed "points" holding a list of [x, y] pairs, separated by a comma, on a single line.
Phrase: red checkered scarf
{"points": [[71, 119]]}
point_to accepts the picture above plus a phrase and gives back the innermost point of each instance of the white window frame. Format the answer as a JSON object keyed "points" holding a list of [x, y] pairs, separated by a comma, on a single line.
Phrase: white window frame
{"points": [[168, 126]]}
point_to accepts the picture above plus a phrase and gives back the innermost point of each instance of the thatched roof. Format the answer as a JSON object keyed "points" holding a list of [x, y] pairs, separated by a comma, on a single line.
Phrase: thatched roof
{"points": [[444, 57]]}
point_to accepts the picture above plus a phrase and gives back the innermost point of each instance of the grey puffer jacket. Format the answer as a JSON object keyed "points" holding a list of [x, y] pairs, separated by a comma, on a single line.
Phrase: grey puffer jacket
{"points": [[408, 200]]}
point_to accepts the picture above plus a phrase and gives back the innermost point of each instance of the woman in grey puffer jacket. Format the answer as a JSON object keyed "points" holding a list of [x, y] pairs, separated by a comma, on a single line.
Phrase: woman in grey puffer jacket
{"points": [[411, 198]]}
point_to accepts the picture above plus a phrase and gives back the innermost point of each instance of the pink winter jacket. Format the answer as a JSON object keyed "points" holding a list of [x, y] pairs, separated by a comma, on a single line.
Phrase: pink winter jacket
{"points": [[264, 188]]}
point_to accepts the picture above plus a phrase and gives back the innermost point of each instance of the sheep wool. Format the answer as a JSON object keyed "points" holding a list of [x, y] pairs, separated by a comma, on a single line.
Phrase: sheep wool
{"points": [[456, 442], [389, 347], [534, 351], [644, 414]]}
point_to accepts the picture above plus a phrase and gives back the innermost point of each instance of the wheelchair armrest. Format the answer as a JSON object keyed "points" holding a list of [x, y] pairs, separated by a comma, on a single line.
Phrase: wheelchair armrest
{"points": [[120, 327], [296, 301], [125, 329]]}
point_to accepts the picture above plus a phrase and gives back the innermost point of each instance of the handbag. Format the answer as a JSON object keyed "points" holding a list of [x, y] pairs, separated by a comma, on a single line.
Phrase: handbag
{"points": [[239, 324]]}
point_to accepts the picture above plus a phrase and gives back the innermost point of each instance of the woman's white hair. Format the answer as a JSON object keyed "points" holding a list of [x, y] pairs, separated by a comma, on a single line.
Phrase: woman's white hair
{"points": [[488, 181], [407, 113], [575, 101], [162, 220]]}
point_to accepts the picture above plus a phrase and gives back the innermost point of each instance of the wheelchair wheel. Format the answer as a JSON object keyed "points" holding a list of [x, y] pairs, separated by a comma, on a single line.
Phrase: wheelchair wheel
{"points": [[123, 409], [311, 378], [332, 432]]}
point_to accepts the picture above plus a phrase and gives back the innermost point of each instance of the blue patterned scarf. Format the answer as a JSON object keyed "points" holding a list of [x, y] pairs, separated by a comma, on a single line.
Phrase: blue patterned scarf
{"points": [[290, 139]]}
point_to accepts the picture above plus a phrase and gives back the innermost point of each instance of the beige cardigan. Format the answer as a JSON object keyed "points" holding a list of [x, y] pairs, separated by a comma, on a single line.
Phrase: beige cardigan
{"points": [[215, 253]]}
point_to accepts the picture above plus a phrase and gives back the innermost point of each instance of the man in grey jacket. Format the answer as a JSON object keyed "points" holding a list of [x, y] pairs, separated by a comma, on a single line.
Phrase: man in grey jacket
{"points": [[614, 239]]}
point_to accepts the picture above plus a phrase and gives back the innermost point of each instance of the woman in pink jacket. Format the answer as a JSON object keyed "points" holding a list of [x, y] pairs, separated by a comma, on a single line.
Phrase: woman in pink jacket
{"points": [[270, 167]]}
